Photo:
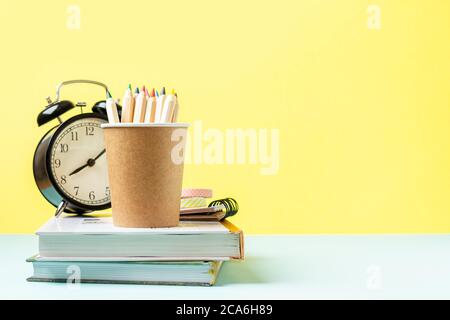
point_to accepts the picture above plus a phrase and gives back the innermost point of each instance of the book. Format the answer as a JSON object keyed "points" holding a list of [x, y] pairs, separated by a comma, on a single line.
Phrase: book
{"points": [[202, 273], [93, 236]]}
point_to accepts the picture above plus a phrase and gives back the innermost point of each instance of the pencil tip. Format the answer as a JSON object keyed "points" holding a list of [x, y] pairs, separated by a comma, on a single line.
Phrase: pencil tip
{"points": [[173, 91], [153, 93], [108, 94], [129, 86], [137, 90], [157, 94], [163, 90]]}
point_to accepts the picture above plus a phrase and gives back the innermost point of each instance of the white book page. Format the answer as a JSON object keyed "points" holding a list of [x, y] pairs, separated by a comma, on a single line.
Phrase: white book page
{"points": [[128, 259], [104, 225]]}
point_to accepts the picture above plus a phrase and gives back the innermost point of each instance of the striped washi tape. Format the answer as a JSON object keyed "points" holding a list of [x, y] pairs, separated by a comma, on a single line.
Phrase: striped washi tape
{"points": [[191, 193], [195, 202]]}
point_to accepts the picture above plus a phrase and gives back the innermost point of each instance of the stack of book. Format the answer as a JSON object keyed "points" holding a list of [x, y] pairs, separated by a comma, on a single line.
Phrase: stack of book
{"points": [[189, 254]]}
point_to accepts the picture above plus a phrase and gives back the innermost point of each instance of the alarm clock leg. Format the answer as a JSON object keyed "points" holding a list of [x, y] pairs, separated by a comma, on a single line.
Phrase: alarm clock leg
{"points": [[60, 208]]}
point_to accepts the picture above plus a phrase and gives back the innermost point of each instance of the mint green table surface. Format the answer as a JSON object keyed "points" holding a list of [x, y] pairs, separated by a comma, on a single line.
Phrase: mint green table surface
{"points": [[276, 267]]}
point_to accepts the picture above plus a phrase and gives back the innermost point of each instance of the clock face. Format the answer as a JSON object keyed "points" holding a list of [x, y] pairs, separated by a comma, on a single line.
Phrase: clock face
{"points": [[78, 162]]}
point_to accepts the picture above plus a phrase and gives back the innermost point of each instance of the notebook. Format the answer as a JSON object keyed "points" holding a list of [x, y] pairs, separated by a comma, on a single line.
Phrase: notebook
{"points": [[217, 210]]}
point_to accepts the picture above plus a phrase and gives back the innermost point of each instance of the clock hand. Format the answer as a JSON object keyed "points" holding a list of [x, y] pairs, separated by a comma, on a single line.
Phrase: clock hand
{"points": [[89, 163], [100, 154], [79, 169]]}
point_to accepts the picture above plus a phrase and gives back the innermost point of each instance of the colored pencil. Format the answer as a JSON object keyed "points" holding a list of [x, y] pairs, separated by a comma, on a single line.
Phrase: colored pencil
{"points": [[139, 109], [127, 106]]}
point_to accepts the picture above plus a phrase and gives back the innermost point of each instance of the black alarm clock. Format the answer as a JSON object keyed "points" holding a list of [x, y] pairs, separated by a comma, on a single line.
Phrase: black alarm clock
{"points": [[69, 163]]}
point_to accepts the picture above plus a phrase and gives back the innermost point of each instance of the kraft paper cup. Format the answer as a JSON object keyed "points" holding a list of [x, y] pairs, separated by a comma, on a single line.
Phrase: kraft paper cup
{"points": [[145, 168]]}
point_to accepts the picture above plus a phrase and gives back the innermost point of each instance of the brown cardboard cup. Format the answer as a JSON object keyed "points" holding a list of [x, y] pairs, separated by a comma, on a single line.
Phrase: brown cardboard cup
{"points": [[145, 168]]}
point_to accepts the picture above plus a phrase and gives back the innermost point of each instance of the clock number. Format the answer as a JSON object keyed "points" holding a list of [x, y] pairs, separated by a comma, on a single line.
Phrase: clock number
{"points": [[107, 192], [74, 136], [89, 131], [63, 179], [57, 163], [64, 147], [92, 195], [76, 190]]}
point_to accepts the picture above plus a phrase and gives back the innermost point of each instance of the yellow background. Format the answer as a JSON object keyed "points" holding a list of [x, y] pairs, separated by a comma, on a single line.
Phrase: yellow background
{"points": [[363, 114]]}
